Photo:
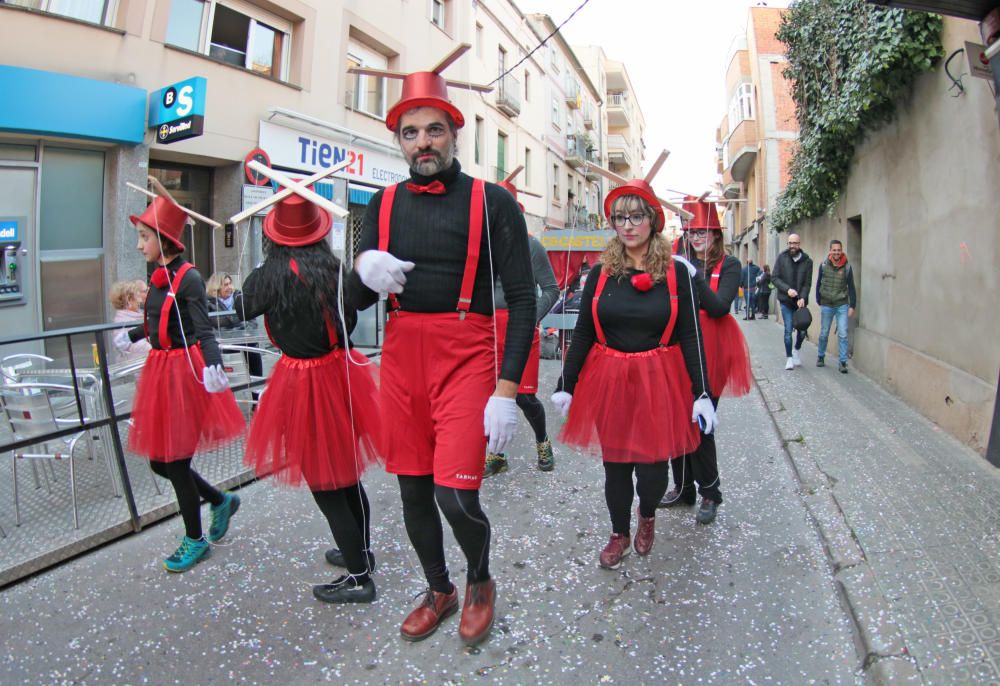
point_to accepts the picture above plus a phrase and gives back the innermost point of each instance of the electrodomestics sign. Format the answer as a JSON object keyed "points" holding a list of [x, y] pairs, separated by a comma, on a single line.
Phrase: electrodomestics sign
{"points": [[294, 149], [178, 111]]}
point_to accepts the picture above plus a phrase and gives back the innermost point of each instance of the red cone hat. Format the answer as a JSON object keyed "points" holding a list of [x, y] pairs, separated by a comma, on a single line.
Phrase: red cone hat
{"points": [[296, 222], [706, 216], [644, 191], [166, 218], [423, 89]]}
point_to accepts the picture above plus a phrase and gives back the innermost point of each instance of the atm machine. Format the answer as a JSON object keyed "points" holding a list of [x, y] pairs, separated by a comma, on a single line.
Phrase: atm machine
{"points": [[11, 277]]}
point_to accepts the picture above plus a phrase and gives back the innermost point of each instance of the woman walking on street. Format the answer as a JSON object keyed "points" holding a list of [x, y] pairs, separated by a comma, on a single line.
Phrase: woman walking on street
{"points": [[764, 292], [635, 367]]}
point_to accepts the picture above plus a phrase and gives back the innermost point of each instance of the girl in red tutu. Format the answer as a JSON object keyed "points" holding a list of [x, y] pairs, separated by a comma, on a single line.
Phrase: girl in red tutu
{"points": [[319, 417], [727, 356], [182, 401], [634, 367]]}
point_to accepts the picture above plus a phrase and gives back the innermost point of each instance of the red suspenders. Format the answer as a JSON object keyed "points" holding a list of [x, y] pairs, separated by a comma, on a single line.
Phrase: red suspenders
{"points": [[162, 336], [472, 251], [671, 320], [714, 280]]}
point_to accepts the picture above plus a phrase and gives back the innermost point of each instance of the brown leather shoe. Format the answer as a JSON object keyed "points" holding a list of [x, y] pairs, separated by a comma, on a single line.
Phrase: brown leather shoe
{"points": [[644, 534], [477, 613], [425, 618]]}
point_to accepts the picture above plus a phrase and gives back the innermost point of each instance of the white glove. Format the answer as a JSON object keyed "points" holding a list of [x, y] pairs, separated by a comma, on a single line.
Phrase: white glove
{"points": [[692, 270], [703, 412], [122, 341], [214, 379], [562, 399], [382, 272], [499, 422]]}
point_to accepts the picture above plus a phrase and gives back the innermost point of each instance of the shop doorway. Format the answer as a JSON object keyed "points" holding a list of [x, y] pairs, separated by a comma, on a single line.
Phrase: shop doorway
{"points": [[191, 187]]}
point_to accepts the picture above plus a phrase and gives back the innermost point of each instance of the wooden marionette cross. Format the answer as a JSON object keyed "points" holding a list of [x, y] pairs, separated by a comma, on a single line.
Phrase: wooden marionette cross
{"points": [[297, 188], [615, 178], [163, 191], [441, 66], [285, 192], [510, 179]]}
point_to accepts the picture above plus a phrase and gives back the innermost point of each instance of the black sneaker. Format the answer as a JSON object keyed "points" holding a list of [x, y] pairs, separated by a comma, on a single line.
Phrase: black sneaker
{"points": [[820, 362], [706, 513], [674, 497], [336, 558], [843, 367], [496, 463], [346, 589]]}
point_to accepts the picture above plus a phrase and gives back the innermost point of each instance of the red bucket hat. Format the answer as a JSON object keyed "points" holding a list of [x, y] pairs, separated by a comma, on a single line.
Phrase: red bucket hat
{"points": [[644, 191], [166, 218], [296, 222], [706, 216], [423, 89]]}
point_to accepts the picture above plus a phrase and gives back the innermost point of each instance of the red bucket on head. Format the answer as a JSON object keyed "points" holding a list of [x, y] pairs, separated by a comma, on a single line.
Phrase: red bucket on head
{"points": [[644, 191], [296, 221], [423, 89], [706, 216], [166, 218]]}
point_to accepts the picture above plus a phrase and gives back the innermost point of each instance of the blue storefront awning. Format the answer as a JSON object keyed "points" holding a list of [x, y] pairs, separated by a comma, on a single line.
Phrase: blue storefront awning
{"points": [[50, 104]]}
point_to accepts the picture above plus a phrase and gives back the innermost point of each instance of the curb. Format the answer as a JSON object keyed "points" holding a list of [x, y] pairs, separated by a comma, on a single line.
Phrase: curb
{"points": [[884, 656]]}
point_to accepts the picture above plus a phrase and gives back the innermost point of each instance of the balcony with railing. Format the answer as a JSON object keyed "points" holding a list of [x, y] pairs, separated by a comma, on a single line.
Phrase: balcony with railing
{"points": [[576, 150], [588, 115], [619, 151], [741, 150], [619, 115], [509, 96], [571, 91]]}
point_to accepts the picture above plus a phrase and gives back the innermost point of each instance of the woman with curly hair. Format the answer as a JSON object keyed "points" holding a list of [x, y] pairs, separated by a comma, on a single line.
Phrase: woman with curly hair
{"points": [[635, 368]]}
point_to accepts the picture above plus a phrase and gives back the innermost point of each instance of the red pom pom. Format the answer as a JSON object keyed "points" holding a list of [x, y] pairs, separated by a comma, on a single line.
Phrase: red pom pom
{"points": [[160, 278], [642, 282]]}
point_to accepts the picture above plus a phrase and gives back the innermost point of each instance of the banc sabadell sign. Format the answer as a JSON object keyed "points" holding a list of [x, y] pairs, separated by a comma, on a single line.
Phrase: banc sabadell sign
{"points": [[294, 149]]}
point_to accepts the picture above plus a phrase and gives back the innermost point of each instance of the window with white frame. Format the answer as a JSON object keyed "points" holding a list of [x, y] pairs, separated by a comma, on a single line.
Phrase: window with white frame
{"points": [[479, 40], [438, 13], [478, 159], [527, 167], [242, 34], [741, 105], [527, 89], [93, 11], [555, 184], [555, 113], [368, 93]]}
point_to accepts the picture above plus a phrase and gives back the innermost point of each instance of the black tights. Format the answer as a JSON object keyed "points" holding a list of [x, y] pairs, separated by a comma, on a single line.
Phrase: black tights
{"points": [[190, 488], [349, 516], [534, 412], [423, 525], [650, 484], [702, 466]]}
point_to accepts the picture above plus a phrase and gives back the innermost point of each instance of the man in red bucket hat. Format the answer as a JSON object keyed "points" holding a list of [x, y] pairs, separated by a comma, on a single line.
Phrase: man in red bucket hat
{"points": [[434, 244]]}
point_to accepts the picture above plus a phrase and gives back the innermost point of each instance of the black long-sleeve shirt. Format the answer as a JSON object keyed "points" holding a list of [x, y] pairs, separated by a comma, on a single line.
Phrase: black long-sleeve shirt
{"points": [[193, 305], [718, 303], [432, 231], [634, 321], [305, 336]]}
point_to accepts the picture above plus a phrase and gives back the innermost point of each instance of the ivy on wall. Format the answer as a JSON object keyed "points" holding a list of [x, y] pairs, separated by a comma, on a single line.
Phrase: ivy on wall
{"points": [[849, 63]]}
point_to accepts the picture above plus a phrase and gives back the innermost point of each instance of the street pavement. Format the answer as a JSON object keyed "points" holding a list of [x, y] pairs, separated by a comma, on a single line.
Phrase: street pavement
{"points": [[857, 544]]}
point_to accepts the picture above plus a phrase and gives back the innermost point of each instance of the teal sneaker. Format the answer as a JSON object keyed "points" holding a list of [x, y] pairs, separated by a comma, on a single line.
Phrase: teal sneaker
{"points": [[546, 459], [496, 463], [190, 553], [220, 516]]}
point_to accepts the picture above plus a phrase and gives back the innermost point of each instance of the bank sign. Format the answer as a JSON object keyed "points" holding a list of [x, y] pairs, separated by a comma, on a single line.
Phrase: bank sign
{"points": [[8, 231], [293, 149], [178, 111]]}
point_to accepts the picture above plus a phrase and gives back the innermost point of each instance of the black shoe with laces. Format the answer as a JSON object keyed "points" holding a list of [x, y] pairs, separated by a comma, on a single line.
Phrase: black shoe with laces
{"points": [[346, 589], [706, 513], [673, 498], [336, 558]]}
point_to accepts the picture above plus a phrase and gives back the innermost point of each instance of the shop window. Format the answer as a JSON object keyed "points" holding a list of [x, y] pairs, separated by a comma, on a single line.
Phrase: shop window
{"points": [[72, 199], [368, 94], [260, 42], [21, 153], [93, 11]]}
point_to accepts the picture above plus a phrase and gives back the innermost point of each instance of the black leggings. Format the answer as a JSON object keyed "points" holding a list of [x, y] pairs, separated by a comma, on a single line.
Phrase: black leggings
{"points": [[702, 466], [534, 412], [190, 488], [349, 516], [423, 525], [650, 483]]}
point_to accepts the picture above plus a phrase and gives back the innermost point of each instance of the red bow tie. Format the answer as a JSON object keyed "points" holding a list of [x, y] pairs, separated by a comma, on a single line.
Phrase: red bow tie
{"points": [[434, 188]]}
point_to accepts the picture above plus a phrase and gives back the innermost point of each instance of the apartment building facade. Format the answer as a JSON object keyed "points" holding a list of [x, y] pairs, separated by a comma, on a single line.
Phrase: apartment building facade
{"points": [[188, 90], [756, 138]]}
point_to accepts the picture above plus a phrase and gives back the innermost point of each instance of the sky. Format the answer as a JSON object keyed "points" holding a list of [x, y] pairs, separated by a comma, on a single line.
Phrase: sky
{"points": [[676, 54]]}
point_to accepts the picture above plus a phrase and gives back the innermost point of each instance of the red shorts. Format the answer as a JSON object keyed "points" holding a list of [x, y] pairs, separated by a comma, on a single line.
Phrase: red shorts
{"points": [[437, 374], [529, 379]]}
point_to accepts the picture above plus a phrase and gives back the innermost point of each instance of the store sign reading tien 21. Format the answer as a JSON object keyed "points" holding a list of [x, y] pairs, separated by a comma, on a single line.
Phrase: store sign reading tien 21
{"points": [[293, 149]]}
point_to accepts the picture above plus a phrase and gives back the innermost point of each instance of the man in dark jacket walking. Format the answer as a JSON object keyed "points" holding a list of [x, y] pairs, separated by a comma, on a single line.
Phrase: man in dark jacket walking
{"points": [[836, 297], [791, 276], [748, 282]]}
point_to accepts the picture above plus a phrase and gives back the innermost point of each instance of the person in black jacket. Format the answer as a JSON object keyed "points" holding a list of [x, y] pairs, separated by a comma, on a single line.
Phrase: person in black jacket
{"points": [[182, 399], [764, 292], [792, 276]]}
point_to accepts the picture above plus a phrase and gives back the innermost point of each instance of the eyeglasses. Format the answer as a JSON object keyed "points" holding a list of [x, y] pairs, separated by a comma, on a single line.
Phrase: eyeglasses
{"points": [[636, 218], [698, 233], [793, 242], [411, 133]]}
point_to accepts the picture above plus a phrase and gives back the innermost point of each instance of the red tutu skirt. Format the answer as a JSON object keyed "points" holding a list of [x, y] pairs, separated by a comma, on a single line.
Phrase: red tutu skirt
{"points": [[302, 430], [632, 407], [173, 416], [726, 356]]}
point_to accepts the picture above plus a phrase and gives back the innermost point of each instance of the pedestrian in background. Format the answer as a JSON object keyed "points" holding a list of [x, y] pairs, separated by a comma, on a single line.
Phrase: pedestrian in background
{"points": [[748, 282], [634, 382], [792, 276], [221, 296], [129, 298], [836, 297], [764, 288]]}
